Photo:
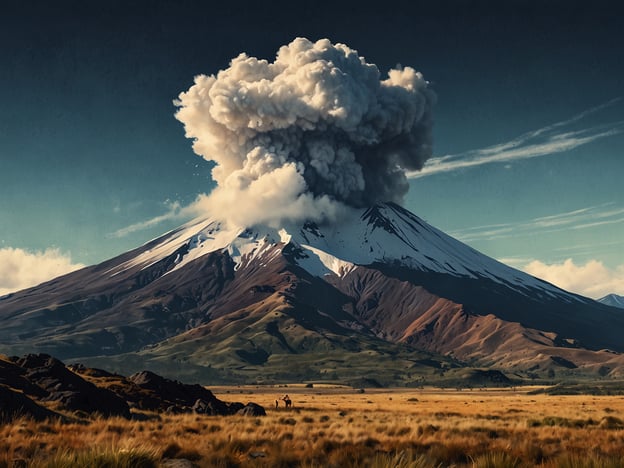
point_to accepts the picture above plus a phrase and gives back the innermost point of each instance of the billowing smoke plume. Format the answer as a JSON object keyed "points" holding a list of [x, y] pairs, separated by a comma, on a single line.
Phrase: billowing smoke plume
{"points": [[308, 134]]}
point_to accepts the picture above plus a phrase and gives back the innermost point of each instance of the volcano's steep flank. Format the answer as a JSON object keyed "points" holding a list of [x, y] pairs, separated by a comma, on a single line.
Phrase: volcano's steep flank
{"points": [[380, 294]]}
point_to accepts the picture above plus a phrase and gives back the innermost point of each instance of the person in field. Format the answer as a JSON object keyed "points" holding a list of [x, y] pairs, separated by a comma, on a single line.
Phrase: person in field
{"points": [[287, 401]]}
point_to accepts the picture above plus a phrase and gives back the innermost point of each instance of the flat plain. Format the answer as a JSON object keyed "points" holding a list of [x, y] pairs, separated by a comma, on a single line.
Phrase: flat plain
{"points": [[341, 427]]}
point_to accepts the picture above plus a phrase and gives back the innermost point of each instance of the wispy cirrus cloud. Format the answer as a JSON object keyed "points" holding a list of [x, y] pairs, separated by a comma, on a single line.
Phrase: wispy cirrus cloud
{"points": [[583, 218], [547, 141], [174, 211]]}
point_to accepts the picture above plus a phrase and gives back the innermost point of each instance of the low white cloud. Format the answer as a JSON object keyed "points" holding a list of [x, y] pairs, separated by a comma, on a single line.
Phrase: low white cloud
{"points": [[20, 269], [593, 279]]}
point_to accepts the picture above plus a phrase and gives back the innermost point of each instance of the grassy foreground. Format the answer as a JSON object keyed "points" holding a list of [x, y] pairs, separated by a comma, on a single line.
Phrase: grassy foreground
{"points": [[343, 428]]}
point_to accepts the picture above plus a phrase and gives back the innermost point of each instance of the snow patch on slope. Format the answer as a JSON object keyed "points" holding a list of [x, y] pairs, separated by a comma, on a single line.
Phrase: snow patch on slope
{"points": [[320, 263], [191, 241], [201, 237], [252, 244]]}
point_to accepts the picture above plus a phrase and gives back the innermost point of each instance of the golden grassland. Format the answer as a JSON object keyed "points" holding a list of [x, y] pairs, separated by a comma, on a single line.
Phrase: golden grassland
{"points": [[338, 426]]}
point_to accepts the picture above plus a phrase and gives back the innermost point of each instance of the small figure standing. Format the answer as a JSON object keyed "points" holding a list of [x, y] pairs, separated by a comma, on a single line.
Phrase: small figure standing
{"points": [[276, 404]]}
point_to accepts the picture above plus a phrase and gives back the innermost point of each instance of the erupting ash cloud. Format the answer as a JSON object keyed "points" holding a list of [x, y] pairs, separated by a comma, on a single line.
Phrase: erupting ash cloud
{"points": [[307, 135]]}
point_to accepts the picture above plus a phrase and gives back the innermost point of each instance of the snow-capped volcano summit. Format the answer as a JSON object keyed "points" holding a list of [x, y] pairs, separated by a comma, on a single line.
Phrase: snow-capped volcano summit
{"points": [[383, 234], [380, 287]]}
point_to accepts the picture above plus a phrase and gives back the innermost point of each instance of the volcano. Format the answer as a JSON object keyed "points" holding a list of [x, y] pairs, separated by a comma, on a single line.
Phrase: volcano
{"points": [[380, 296]]}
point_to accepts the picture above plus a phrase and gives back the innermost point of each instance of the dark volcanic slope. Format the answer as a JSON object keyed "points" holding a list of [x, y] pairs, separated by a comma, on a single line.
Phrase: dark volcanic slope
{"points": [[511, 331], [584, 321]]}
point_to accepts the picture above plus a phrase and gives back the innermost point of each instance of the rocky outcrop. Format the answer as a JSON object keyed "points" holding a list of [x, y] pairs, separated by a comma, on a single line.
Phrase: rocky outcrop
{"points": [[149, 391], [77, 388], [166, 393], [69, 389], [159, 393]]}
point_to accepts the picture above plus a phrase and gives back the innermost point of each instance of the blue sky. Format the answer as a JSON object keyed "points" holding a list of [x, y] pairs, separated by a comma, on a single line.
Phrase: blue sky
{"points": [[528, 127]]}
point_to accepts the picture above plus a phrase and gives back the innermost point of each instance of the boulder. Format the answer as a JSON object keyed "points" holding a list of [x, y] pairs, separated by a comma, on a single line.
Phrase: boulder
{"points": [[202, 407], [252, 409]]}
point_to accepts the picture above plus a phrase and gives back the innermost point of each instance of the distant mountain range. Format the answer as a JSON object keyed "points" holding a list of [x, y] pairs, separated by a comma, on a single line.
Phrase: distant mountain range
{"points": [[613, 300], [380, 297]]}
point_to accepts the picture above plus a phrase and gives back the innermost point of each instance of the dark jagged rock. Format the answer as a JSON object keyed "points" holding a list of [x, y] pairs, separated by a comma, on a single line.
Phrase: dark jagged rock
{"points": [[14, 405], [159, 393], [235, 407], [47, 379], [252, 409], [12, 376], [164, 392], [89, 371], [211, 408], [69, 389], [216, 407], [149, 391], [176, 410], [34, 361]]}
